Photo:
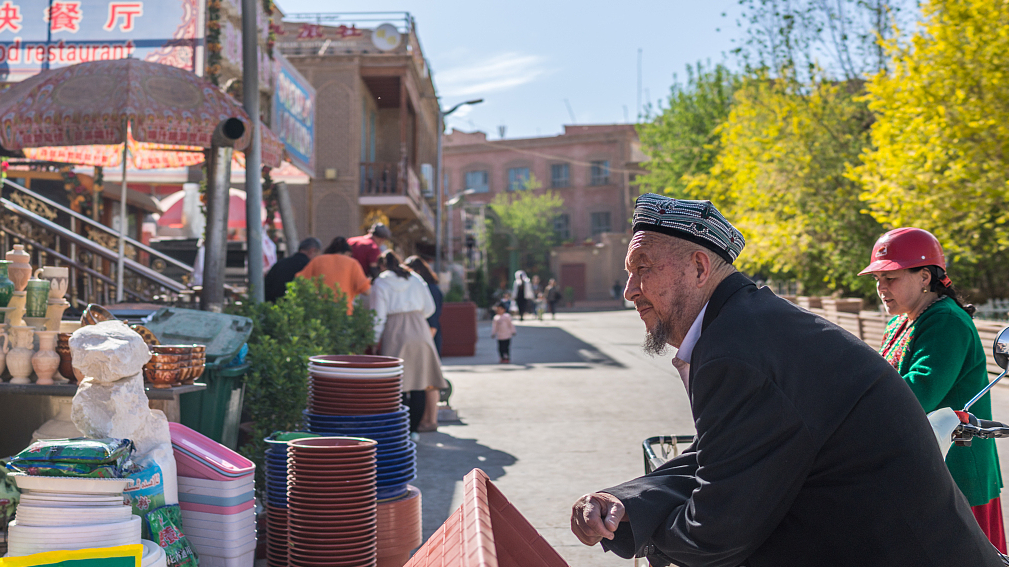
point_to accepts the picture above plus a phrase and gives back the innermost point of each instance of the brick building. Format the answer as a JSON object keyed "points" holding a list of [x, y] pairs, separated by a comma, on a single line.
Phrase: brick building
{"points": [[591, 167], [376, 128]]}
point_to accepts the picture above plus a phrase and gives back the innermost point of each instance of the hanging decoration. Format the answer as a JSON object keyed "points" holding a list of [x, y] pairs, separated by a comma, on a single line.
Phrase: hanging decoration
{"points": [[271, 38], [214, 41], [270, 201], [77, 193]]}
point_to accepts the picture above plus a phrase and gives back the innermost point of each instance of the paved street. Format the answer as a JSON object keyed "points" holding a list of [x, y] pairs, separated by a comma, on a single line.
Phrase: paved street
{"points": [[566, 418]]}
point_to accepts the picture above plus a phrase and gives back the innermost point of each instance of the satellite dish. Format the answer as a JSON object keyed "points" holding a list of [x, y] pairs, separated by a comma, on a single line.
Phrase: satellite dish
{"points": [[386, 37]]}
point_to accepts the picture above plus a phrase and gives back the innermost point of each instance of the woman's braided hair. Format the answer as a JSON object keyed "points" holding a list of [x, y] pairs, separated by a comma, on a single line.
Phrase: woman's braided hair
{"points": [[936, 285]]}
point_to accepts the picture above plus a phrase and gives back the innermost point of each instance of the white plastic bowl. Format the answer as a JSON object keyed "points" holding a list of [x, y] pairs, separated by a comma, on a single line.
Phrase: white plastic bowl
{"points": [[70, 485]]}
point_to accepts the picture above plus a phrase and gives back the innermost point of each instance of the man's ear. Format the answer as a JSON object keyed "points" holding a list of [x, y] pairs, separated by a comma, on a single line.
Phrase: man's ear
{"points": [[702, 263]]}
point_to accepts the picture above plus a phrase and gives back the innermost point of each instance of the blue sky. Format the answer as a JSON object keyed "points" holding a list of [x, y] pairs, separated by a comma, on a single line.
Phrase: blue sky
{"points": [[525, 57]]}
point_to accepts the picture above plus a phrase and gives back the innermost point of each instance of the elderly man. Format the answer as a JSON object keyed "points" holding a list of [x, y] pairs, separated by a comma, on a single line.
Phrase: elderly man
{"points": [[810, 449]]}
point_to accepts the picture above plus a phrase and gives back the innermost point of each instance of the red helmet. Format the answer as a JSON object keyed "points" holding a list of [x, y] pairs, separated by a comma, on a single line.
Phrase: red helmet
{"points": [[904, 248]]}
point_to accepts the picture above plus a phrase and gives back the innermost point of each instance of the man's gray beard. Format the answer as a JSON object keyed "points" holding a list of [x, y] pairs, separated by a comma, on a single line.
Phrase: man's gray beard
{"points": [[655, 341]]}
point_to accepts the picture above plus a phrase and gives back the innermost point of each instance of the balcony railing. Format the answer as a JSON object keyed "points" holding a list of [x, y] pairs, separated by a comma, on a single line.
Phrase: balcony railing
{"points": [[380, 179], [384, 180]]}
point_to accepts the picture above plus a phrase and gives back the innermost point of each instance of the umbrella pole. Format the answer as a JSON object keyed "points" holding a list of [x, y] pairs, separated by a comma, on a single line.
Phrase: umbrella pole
{"points": [[122, 231]]}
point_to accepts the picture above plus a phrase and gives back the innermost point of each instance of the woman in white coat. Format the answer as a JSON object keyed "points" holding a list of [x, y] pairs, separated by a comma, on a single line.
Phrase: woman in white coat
{"points": [[402, 302], [524, 294]]}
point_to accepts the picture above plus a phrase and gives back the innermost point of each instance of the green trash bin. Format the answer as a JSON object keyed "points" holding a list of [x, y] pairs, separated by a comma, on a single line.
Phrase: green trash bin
{"points": [[216, 411]]}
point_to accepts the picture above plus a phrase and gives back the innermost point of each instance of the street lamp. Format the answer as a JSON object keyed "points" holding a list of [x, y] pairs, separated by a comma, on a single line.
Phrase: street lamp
{"points": [[455, 200], [441, 178]]}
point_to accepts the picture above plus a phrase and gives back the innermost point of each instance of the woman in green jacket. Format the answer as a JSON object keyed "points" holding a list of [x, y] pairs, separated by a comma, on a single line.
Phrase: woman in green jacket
{"points": [[934, 345]]}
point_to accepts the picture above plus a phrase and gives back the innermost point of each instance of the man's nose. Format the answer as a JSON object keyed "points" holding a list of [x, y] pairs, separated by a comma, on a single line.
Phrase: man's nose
{"points": [[631, 290]]}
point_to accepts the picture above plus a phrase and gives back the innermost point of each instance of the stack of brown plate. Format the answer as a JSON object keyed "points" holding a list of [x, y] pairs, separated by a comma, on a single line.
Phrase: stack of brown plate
{"points": [[276, 536], [354, 385], [331, 502], [399, 528], [171, 365]]}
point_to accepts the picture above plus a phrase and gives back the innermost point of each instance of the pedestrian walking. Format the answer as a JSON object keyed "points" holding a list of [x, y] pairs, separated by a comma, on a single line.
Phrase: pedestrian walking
{"points": [[275, 282], [339, 271], [421, 268], [366, 249], [553, 296], [503, 329], [402, 304], [522, 291]]}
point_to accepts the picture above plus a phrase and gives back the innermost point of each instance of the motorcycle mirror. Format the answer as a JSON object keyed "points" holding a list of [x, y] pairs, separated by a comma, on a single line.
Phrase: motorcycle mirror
{"points": [[1001, 349]]}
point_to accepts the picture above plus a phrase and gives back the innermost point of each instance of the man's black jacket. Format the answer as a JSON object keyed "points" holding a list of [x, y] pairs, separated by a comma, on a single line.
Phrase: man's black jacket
{"points": [[810, 451]]}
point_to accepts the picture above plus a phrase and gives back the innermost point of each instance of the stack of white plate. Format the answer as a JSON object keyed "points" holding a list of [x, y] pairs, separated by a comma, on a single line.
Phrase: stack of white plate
{"points": [[58, 513], [154, 556]]}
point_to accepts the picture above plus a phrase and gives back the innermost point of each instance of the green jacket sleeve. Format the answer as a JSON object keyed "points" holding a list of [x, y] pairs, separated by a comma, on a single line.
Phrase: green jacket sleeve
{"points": [[935, 360]]}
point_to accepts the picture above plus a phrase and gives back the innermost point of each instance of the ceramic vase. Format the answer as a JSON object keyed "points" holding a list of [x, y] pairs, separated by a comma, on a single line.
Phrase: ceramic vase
{"points": [[17, 309], [38, 297], [58, 278], [6, 285], [5, 347], [66, 360], [46, 361], [19, 359], [54, 313], [19, 271]]}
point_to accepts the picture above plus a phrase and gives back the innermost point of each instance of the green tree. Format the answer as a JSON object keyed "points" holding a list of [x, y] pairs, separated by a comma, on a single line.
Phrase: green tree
{"points": [[681, 140], [526, 227], [801, 39], [780, 178], [940, 144]]}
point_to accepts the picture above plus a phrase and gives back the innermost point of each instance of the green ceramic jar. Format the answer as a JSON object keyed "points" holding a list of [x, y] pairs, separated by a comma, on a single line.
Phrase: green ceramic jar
{"points": [[38, 298], [6, 285]]}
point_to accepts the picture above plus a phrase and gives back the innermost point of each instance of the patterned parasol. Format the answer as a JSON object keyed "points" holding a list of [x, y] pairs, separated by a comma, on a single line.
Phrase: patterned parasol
{"points": [[91, 103], [119, 103]]}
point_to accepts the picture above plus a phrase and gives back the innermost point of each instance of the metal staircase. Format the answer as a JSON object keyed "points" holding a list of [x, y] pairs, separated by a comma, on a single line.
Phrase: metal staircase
{"points": [[88, 248]]}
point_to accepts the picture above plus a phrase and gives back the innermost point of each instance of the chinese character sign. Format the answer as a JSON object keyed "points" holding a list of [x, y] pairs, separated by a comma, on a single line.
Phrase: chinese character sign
{"points": [[294, 116], [40, 34]]}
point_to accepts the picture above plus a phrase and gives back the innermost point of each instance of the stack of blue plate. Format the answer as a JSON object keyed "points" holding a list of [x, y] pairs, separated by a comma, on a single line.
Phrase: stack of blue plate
{"points": [[397, 454], [276, 466]]}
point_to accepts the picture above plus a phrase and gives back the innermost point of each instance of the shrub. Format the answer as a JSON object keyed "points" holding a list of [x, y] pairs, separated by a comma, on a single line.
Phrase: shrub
{"points": [[308, 320]]}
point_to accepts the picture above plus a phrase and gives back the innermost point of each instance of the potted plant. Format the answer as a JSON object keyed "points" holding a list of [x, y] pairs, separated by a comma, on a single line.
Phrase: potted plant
{"points": [[569, 296]]}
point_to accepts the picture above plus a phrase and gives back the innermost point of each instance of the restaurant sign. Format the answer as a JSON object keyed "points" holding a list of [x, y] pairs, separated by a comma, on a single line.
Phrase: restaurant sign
{"points": [[40, 34], [294, 115]]}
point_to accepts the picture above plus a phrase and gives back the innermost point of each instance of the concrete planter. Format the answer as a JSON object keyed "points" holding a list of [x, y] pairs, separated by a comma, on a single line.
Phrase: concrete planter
{"points": [[458, 328]]}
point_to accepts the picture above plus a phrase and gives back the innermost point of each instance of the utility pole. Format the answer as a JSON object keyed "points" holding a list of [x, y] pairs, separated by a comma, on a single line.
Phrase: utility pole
{"points": [[439, 183], [253, 154]]}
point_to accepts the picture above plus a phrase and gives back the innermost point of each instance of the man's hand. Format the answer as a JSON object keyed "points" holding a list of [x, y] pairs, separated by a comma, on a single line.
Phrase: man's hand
{"points": [[596, 516]]}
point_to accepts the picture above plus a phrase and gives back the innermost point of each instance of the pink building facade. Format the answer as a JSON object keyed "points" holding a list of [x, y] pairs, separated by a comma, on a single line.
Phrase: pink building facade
{"points": [[592, 167]]}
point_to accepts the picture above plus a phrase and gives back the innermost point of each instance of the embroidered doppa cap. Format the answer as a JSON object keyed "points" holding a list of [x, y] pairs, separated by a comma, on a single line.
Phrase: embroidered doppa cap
{"points": [[696, 221]]}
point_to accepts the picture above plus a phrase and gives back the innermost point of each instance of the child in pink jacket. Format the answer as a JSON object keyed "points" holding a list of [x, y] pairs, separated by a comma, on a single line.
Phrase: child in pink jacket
{"points": [[503, 330]]}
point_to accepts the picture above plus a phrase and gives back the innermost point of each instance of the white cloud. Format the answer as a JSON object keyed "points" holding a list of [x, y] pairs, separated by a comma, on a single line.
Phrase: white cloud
{"points": [[496, 73]]}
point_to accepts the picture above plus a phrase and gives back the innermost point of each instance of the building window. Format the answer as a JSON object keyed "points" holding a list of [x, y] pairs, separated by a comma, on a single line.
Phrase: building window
{"points": [[517, 178], [600, 223], [478, 181], [560, 175], [562, 228], [600, 173]]}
